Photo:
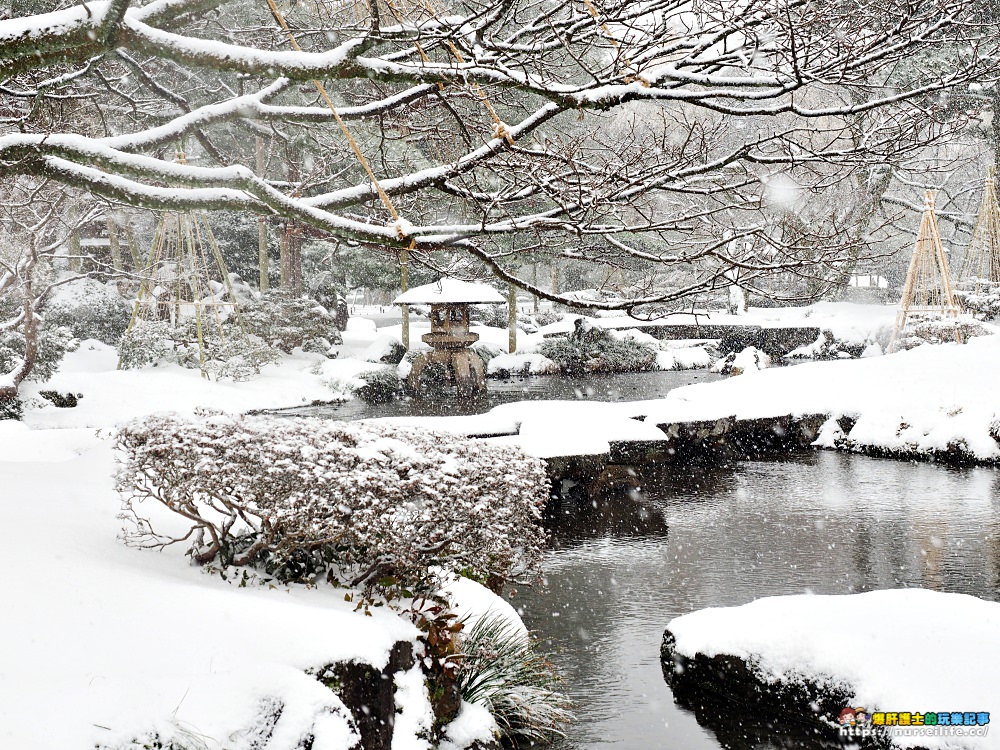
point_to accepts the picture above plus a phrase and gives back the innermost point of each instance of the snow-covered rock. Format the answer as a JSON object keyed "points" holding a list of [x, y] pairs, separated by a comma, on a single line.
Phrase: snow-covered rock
{"points": [[905, 650], [472, 601], [683, 358], [929, 401], [750, 359], [385, 349]]}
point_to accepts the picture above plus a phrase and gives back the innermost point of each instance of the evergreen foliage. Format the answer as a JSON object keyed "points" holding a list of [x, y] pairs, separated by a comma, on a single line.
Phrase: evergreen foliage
{"points": [[983, 301], [286, 322], [501, 670], [591, 349], [53, 343], [381, 386], [238, 356], [89, 310]]}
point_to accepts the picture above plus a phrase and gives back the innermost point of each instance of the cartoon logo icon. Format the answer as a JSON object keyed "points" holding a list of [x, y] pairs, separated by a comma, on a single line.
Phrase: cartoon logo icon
{"points": [[847, 717]]}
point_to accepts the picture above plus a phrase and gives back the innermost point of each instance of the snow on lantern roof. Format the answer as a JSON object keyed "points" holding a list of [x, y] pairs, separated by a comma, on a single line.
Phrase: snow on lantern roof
{"points": [[450, 291]]}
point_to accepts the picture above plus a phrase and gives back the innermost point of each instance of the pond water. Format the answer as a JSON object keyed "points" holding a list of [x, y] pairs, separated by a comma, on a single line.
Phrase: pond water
{"points": [[697, 536], [636, 386], [700, 536]]}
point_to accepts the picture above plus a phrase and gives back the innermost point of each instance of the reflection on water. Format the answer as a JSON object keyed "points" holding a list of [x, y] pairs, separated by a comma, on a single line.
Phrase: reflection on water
{"points": [[637, 386], [702, 536]]}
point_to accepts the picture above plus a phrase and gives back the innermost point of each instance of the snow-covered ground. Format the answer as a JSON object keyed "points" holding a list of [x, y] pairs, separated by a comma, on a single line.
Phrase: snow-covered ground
{"points": [[103, 644], [853, 323], [111, 396], [898, 651], [918, 401], [116, 641]]}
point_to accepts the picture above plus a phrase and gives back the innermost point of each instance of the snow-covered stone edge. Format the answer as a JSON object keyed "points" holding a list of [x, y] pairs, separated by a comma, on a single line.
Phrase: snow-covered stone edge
{"points": [[809, 656]]}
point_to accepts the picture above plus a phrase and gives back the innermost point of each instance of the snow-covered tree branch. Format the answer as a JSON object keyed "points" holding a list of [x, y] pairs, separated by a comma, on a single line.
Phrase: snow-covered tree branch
{"points": [[661, 136], [36, 227]]}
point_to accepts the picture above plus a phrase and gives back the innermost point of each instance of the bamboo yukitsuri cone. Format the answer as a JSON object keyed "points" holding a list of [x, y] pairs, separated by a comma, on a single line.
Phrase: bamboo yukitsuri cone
{"points": [[981, 266], [928, 290], [185, 280]]}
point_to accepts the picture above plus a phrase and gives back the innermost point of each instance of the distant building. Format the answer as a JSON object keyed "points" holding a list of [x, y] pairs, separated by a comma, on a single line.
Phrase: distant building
{"points": [[867, 288]]}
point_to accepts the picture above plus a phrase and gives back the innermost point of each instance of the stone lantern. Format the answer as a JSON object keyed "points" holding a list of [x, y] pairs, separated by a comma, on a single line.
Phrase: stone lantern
{"points": [[450, 336]]}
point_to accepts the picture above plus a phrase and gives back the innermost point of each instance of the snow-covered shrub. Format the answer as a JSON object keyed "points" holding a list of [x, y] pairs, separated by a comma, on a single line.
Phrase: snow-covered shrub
{"points": [[149, 341], [380, 386], [241, 357], [238, 356], [502, 671], [526, 323], [493, 316], [546, 317], [11, 408], [983, 301], [827, 346], [936, 330], [531, 322], [365, 505], [287, 322], [590, 349], [53, 343], [89, 310]]}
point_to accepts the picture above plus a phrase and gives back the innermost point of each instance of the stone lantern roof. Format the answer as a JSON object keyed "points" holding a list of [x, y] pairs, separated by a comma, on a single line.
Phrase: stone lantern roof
{"points": [[449, 291]]}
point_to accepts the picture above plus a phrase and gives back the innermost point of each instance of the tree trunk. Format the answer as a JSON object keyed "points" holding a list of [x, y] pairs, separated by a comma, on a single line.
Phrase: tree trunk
{"points": [[75, 256], [291, 258], [31, 323], [291, 245], [133, 249], [116, 254], [996, 126], [404, 284], [261, 226], [511, 318]]}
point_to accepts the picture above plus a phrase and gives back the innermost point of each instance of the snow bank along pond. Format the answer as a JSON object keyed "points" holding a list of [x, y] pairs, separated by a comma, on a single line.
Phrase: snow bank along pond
{"points": [[708, 533]]}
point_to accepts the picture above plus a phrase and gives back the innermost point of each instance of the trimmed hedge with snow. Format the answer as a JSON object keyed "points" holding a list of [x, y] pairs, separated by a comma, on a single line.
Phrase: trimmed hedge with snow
{"points": [[366, 505]]}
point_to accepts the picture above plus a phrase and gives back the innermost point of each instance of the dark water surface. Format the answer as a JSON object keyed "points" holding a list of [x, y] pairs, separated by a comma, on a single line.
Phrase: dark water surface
{"points": [[703, 536], [637, 386]]}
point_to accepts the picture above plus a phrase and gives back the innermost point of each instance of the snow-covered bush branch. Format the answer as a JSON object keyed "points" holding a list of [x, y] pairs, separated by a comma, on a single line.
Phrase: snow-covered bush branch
{"points": [[366, 505]]}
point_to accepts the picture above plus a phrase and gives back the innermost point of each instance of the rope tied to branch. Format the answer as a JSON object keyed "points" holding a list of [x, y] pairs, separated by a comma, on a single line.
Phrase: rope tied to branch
{"points": [[500, 130]]}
